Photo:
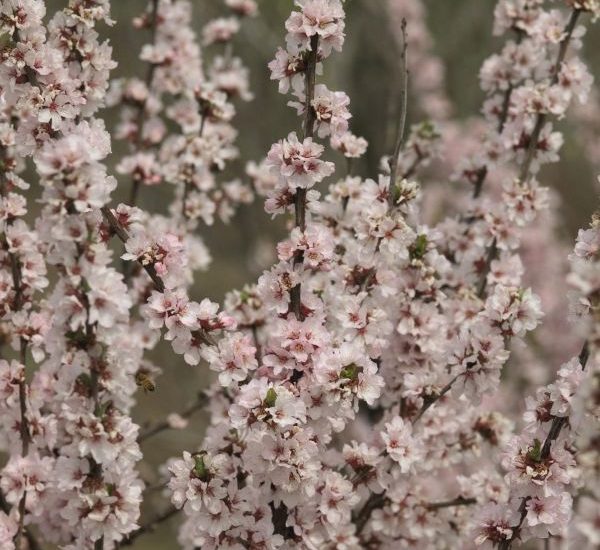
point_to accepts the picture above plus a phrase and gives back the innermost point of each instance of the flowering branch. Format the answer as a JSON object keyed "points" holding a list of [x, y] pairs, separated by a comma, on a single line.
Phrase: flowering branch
{"points": [[541, 119], [152, 23], [300, 196]]}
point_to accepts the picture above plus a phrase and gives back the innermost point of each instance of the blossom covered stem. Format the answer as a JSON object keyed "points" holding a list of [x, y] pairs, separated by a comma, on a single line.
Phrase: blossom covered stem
{"points": [[16, 270], [541, 119], [141, 106], [150, 269], [559, 422], [483, 172], [300, 196], [524, 173], [32, 541], [123, 236]]}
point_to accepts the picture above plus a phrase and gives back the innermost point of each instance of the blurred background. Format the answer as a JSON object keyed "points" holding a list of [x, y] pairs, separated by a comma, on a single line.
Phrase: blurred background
{"points": [[368, 70]]}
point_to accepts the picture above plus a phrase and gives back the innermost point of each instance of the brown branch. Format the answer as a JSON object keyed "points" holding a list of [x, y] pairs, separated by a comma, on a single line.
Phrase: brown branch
{"points": [[31, 540], [375, 501], [137, 143], [459, 501], [151, 525], [403, 113], [483, 172], [123, 235], [300, 197], [557, 424], [17, 281], [164, 424], [541, 118], [429, 401], [491, 255], [524, 173], [506, 544], [560, 421]]}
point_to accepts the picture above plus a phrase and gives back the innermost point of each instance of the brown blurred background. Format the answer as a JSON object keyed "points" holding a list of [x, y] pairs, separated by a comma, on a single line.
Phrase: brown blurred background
{"points": [[368, 71]]}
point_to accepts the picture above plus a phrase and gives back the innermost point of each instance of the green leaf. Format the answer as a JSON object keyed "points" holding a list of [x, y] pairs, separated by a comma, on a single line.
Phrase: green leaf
{"points": [[351, 371], [200, 469], [271, 398], [101, 409], [535, 453], [85, 379], [418, 248]]}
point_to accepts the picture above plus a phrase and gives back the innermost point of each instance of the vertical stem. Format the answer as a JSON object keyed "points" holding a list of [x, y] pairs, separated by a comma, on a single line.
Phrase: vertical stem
{"points": [[524, 172], [403, 111], [300, 198], [142, 107], [17, 281], [188, 186], [541, 119]]}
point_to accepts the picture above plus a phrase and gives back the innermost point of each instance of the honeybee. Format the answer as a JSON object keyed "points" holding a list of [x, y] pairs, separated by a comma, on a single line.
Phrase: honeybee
{"points": [[143, 380]]}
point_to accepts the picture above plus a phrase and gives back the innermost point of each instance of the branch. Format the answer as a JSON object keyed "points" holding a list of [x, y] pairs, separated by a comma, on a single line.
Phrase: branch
{"points": [[532, 146], [431, 400], [560, 421], [300, 197], [403, 111], [164, 424], [541, 118], [374, 502], [142, 105], [483, 172], [491, 254], [151, 525], [555, 429], [123, 235], [31, 540], [17, 282], [459, 501]]}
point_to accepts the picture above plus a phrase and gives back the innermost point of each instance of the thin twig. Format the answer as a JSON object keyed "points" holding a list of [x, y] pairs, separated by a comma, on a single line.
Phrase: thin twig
{"points": [[491, 255], [137, 143], [165, 425], [483, 172], [187, 187], [459, 501], [151, 525], [374, 502], [403, 113], [560, 421], [541, 118], [431, 400]]}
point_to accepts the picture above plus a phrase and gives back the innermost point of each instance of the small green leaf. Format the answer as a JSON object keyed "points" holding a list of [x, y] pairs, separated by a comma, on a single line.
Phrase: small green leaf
{"points": [[428, 130], [200, 469], [85, 379], [101, 409], [85, 286], [419, 247], [271, 398], [535, 453], [351, 371]]}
